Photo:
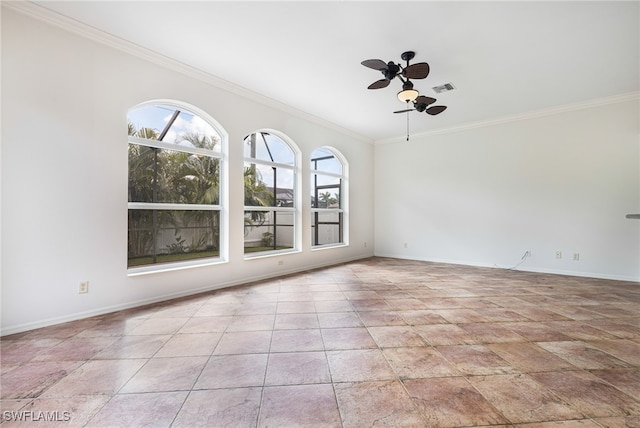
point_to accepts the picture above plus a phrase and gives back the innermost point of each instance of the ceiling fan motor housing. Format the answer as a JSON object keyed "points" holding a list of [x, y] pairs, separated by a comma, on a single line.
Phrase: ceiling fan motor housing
{"points": [[391, 71], [420, 107]]}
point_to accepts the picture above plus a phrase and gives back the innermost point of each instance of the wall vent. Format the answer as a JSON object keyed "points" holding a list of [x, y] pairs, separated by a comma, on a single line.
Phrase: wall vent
{"points": [[443, 88]]}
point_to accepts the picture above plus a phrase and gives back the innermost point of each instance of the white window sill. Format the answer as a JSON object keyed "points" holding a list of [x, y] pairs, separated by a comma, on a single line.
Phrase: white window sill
{"points": [[266, 254], [328, 246], [170, 267]]}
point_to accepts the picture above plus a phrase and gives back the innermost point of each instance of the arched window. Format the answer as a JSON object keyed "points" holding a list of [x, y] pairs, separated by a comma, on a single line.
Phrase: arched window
{"points": [[176, 182], [270, 196], [328, 197]]}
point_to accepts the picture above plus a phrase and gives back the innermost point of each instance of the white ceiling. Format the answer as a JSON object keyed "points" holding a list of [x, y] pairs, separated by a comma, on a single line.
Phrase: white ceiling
{"points": [[504, 58]]}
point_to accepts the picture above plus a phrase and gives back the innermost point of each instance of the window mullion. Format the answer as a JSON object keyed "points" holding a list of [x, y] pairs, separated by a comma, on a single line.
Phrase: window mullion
{"points": [[169, 206], [267, 163], [175, 147], [266, 209], [326, 173]]}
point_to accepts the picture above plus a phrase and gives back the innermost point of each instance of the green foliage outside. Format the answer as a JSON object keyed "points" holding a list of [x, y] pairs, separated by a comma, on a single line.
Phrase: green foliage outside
{"points": [[327, 199], [168, 176]]}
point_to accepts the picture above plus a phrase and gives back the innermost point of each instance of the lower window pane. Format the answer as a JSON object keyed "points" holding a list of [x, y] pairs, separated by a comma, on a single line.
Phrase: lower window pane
{"points": [[326, 228], [267, 231], [169, 236]]}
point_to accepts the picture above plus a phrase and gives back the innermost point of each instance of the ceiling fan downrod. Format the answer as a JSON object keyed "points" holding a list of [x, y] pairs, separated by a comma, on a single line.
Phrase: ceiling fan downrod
{"points": [[407, 124]]}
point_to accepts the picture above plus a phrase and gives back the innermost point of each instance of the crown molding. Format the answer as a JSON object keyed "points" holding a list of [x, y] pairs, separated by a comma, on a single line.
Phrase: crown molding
{"points": [[50, 17], [598, 102]]}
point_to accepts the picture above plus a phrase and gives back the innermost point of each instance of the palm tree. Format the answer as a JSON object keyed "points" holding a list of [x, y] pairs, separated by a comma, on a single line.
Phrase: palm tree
{"points": [[328, 199], [256, 193], [141, 189], [196, 180]]}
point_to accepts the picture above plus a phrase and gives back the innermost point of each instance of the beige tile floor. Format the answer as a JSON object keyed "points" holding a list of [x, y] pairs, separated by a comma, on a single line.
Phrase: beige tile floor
{"points": [[377, 342]]}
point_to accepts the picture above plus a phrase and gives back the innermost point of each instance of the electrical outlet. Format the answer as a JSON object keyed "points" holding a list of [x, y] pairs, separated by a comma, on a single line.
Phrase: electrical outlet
{"points": [[576, 257], [406, 245], [558, 254], [83, 287], [280, 262]]}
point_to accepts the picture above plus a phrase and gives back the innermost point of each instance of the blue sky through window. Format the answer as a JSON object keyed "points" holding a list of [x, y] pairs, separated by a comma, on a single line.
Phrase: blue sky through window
{"points": [[269, 146], [332, 164], [157, 116]]}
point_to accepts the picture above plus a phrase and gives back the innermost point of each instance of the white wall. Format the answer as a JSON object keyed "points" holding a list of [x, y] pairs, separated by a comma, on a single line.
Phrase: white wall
{"points": [[484, 195], [64, 176]]}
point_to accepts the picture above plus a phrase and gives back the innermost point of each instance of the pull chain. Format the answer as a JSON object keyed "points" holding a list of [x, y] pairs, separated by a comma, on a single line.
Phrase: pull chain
{"points": [[407, 126]]}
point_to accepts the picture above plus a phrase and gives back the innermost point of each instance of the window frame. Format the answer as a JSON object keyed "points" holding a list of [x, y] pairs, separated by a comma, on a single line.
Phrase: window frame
{"points": [[221, 207], [293, 210], [342, 210]]}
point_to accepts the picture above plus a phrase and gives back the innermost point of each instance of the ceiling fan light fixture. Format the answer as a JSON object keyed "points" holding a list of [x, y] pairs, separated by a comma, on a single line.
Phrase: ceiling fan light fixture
{"points": [[407, 95]]}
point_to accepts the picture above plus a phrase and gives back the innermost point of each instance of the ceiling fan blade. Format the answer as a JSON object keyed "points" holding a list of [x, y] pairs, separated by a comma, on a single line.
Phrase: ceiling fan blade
{"points": [[376, 64], [404, 111], [417, 71], [425, 100], [435, 110], [378, 84]]}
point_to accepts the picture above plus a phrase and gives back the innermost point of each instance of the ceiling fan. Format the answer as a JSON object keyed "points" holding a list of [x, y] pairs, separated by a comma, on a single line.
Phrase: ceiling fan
{"points": [[391, 70]]}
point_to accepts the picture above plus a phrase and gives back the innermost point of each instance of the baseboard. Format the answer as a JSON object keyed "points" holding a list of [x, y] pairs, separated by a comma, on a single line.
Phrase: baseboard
{"points": [[5, 331], [522, 268]]}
